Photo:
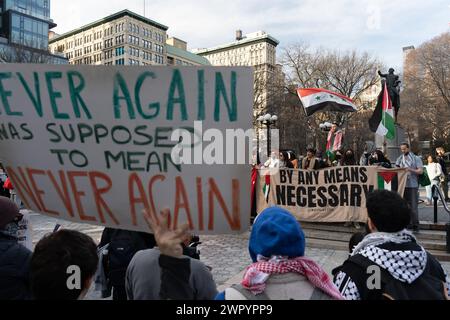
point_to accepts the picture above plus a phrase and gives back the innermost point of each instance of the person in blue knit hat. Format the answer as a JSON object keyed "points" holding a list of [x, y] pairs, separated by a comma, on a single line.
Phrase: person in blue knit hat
{"points": [[279, 270]]}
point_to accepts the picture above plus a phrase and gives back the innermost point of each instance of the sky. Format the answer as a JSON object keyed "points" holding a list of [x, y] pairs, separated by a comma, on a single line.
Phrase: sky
{"points": [[380, 27]]}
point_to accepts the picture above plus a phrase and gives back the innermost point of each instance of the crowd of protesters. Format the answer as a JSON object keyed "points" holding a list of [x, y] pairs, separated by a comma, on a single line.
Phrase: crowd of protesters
{"points": [[132, 265], [280, 269]]}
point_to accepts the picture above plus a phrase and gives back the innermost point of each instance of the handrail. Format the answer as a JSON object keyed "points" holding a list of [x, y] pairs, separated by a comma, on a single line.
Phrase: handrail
{"points": [[436, 191]]}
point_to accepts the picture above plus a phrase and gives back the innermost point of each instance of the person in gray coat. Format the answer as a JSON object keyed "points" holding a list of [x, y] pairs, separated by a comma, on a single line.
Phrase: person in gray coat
{"points": [[143, 277]]}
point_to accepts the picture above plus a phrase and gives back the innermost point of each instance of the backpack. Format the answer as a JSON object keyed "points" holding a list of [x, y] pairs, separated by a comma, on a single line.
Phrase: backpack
{"points": [[429, 286], [122, 248]]}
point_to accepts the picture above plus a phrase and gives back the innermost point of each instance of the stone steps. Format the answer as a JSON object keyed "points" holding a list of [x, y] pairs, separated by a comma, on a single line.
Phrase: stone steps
{"points": [[336, 237]]}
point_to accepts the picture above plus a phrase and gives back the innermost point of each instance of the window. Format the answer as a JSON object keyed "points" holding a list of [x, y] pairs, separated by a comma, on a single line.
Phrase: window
{"points": [[133, 40], [108, 43], [87, 50], [159, 48], [120, 51], [108, 54], [120, 61], [97, 57], [146, 32], [133, 28], [120, 39], [147, 55], [159, 37], [134, 52], [146, 44], [159, 59], [87, 60], [133, 62]]}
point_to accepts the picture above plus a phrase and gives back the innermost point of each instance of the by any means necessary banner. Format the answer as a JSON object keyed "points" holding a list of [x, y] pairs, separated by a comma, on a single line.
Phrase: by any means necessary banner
{"points": [[335, 194]]}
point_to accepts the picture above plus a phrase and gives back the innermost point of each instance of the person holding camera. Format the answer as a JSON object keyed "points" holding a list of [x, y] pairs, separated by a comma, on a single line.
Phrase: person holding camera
{"points": [[143, 276]]}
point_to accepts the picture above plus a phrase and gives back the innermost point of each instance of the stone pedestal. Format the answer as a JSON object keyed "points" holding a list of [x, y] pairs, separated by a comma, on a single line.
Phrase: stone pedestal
{"points": [[392, 147]]}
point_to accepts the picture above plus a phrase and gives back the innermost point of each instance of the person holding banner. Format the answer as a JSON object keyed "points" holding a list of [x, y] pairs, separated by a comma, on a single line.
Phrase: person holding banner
{"points": [[310, 162], [273, 161], [414, 166], [377, 158], [285, 162]]}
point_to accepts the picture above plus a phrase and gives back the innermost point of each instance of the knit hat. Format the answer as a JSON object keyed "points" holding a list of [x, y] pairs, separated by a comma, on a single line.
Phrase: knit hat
{"points": [[8, 211], [276, 232]]}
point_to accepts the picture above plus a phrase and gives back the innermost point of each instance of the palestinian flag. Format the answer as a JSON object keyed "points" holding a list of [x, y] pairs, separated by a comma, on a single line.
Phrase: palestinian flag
{"points": [[315, 99], [382, 121], [266, 187], [388, 181]]}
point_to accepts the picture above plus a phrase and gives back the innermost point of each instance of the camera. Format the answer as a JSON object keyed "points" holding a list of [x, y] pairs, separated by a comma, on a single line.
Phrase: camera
{"points": [[191, 250]]}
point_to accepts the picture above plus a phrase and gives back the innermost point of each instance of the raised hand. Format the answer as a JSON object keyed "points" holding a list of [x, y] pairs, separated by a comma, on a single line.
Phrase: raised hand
{"points": [[168, 240]]}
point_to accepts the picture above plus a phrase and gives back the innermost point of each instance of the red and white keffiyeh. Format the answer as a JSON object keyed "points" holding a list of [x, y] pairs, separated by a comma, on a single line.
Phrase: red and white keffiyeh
{"points": [[257, 274]]}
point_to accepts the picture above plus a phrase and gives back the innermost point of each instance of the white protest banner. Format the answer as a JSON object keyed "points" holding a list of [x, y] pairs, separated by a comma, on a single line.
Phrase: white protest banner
{"points": [[95, 144], [336, 194]]}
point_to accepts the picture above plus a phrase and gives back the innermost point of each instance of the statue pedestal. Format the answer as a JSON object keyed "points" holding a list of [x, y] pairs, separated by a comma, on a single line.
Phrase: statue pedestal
{"points": [[392, 147]]}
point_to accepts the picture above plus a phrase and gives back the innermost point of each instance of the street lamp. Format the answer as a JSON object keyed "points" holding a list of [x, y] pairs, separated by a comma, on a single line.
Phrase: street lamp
{"points": [[268, 120], [326, 126]]}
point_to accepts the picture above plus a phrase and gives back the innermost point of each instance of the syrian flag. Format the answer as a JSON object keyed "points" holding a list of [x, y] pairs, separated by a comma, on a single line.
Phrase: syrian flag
{"points": [[382, 121], [266, 187], [388, 181], [315, 99]]}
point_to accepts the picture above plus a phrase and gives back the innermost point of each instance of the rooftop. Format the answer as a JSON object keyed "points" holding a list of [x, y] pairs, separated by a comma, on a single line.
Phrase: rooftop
{"points": [[174, 51], [109, 18], [246, 39]]}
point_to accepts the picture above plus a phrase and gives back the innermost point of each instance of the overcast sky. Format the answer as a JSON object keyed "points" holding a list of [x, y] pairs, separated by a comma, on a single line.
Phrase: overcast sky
{"points": [[381, 27]]}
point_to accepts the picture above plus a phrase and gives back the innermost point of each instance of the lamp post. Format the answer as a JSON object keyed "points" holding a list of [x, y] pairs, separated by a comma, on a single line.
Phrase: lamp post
{"points": [[268, 120], [326, 126]]}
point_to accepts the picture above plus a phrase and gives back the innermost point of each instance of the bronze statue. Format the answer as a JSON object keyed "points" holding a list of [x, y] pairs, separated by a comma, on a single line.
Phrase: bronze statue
{"points": [[393, 85]]}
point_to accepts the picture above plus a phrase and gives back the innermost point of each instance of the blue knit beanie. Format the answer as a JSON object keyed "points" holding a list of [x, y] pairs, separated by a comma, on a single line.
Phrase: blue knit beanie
{"points": [[276, 232]]}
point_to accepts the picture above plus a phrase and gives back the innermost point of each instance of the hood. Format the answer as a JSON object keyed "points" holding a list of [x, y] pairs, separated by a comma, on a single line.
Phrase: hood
{"points": [[8, 211], [276, 232], [401, 256]]}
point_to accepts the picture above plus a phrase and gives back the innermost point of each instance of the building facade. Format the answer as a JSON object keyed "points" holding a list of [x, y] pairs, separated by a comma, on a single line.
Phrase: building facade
{"points": [[123, 38], [178, 55], [24, 29], [256, 50]]}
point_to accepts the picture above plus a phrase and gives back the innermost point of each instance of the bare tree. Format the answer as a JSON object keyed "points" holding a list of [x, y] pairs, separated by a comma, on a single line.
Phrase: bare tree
{"points": [[349, 73], [15, 53], [426, 95]]}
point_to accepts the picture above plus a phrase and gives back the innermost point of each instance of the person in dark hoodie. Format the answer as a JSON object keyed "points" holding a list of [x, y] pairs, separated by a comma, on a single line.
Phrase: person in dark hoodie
{"points": [[404, 269], [280, 271], [14, 257], [123, 245]]}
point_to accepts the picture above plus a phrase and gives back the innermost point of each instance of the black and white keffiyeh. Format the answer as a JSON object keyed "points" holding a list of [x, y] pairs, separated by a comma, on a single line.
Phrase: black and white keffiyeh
{"points": [[405, 266]]}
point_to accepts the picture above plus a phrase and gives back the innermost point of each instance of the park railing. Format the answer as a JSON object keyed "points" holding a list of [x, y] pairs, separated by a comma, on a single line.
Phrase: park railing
{"points": [[437, 194]]}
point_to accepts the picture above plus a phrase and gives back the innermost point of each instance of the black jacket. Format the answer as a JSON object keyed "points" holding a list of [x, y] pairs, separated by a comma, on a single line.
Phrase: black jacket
{"points": [[14, 269], [175, 274], [443, 166]]}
